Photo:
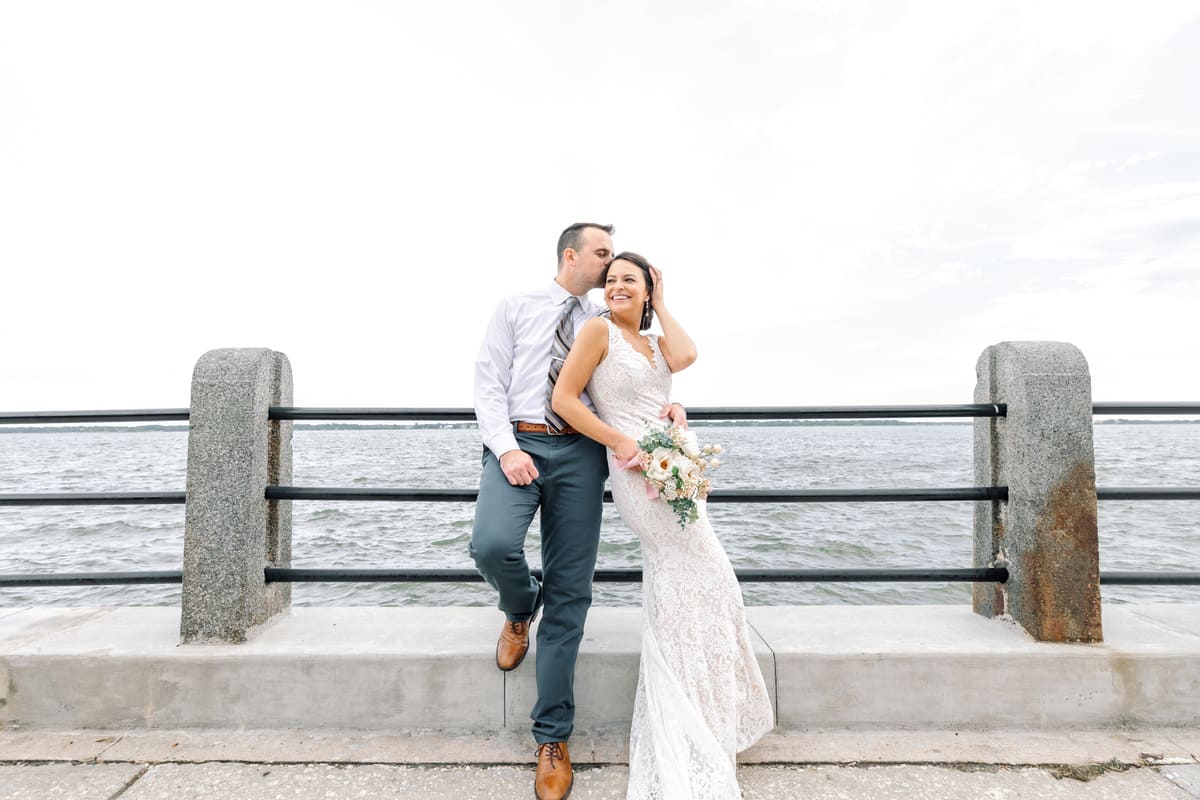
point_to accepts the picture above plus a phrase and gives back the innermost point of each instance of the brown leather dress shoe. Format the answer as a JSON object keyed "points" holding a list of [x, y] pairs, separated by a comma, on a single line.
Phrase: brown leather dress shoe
{"points": [[554, 778], [513, 643]]}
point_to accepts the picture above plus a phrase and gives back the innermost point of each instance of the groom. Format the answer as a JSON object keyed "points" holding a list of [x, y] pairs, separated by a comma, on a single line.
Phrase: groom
{"points": [[530, 464]]}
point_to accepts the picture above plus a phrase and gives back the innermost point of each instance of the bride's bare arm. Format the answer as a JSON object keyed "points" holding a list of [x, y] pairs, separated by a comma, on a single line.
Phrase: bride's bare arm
{"points": [[590, 347], [677, 347]]}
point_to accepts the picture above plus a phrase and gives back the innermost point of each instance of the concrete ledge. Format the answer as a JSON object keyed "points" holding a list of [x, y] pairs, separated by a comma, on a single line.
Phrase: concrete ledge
{"points": [[942, 667], [934, 668]]}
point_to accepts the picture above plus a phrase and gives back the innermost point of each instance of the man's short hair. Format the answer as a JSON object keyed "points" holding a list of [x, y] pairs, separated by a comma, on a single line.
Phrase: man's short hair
{"points": [[573, 234]]}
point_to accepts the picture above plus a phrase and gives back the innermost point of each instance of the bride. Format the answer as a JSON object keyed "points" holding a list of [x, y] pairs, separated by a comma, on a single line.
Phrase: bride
{"points": [[700, 695]]}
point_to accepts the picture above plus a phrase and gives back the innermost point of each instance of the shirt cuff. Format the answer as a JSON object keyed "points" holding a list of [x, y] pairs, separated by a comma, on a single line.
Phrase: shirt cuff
{"points": [[499, 445]]}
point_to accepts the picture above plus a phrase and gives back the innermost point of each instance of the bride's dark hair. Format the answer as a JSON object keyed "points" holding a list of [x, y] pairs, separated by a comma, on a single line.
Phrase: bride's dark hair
{"points": [[644, 266]]}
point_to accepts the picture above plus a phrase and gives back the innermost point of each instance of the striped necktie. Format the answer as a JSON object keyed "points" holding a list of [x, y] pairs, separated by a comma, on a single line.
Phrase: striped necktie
{"points": [[564, 335]]}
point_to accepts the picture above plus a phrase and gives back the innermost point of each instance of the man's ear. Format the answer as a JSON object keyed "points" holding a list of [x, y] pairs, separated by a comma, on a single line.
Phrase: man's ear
{"points": [[569, 256]]}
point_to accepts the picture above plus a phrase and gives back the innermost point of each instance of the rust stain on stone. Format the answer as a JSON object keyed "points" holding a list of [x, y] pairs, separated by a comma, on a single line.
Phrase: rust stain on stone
{"points": [[1062, 573]]}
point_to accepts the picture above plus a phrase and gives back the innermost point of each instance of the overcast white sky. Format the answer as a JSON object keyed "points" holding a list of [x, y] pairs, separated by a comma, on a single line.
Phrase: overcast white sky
{"points": [[849, 200]]}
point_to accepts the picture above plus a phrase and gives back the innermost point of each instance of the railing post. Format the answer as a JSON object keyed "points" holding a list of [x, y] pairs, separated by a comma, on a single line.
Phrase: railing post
{"points": [[1042, 451], [231, 531]]}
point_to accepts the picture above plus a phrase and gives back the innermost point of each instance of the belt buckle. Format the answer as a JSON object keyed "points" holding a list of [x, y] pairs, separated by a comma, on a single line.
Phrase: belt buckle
{"points": [[551, 432]]}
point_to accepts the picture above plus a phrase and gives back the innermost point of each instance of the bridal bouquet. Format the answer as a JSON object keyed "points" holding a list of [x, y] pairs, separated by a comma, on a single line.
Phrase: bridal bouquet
{"points": [[673, 466]]}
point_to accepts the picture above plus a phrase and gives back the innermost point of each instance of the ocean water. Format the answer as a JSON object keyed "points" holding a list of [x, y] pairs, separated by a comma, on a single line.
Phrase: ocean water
{"points": [[1154, 535]]}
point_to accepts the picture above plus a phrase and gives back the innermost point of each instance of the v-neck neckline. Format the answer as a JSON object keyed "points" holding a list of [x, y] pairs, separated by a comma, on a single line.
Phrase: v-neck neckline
{"points": [[651, 362]]}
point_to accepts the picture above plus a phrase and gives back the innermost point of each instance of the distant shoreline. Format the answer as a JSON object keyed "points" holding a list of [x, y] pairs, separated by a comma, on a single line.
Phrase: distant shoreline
{"points": [[436, 426]]}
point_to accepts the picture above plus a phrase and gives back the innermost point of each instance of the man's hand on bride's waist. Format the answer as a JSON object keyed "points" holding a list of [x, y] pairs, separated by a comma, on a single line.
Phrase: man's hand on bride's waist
{"points": [[676, 413]]}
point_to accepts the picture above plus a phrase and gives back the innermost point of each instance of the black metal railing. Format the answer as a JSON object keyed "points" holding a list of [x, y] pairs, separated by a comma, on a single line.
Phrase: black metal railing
{"points": [[93, 499], [93, 578], [296, 575], [696, 414], [122, 415], [717, 496], [318, 575]]}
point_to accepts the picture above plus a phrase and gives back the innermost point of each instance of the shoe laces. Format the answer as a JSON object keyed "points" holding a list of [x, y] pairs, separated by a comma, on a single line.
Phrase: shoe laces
{"points": [[554, 751]]}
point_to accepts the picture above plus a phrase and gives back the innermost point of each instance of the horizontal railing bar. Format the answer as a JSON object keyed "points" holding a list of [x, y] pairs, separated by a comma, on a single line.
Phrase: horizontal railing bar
{"points": [[847, 412], [694, 414], [918, 575], [92, 579], [1147, 493], [697, 413], [309, 575], [395, 414], [314, 575], [344, 575], [1146, 408], [972, 493], [93, 499], [718, 496], [357, 495], [1150, 578], [128, 415]]}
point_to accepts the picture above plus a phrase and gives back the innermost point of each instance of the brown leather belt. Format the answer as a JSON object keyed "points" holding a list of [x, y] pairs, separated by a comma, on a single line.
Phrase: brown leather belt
{"points": [[539, 427]]}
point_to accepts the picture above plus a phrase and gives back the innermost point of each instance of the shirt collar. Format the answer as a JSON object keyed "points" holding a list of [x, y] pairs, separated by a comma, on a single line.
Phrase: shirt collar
{"points": [[560, 295]]}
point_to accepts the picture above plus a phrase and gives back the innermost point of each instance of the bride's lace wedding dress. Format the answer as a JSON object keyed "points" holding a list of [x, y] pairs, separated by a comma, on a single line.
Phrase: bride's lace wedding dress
{"points": [[700, 695]]}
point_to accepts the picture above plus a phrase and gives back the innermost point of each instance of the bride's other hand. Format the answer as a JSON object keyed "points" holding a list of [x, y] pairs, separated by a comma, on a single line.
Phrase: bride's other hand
{"points": [[677, 414], [625, 451]]}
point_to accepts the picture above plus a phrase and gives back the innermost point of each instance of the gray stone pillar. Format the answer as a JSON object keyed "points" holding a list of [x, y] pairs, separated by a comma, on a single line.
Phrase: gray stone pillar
{"points": [[231, 531], [1042, 451]]}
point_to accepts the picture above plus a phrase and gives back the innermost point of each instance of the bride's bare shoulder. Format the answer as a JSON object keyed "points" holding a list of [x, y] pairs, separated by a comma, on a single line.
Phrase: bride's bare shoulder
{"points": [[594, 333], [594, 326]]}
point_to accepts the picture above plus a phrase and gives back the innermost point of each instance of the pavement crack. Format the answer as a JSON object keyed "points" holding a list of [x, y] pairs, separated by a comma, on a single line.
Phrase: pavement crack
{"points": [[100, 756], [138, 776], [1088, 772]]}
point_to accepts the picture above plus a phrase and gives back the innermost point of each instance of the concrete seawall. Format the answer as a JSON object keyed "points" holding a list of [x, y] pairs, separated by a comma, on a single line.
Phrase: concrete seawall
{"points": [[386, 669]]}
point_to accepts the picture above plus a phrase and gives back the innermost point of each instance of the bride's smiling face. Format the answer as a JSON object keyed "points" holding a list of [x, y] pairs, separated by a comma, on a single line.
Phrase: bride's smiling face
{"points": [[625, 287]]}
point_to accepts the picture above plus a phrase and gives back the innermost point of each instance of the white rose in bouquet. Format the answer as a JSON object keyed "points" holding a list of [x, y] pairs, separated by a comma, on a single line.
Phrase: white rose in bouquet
{"points": [[661, 461]]}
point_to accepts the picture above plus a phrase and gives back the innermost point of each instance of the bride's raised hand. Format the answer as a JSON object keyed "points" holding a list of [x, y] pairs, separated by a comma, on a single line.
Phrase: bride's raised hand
{"points": [[656, 296]]}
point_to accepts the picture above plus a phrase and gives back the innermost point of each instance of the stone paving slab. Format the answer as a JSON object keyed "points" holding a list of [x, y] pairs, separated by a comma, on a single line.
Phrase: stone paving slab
{"points": [[277, 782], [1185, 777], [1012, 748], [928, 783], [66, 781], [361, 748], [1155, 747], [266, 782]]}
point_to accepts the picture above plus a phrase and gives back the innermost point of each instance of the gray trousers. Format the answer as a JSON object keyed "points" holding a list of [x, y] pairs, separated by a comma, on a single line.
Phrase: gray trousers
{"points": [[570, 492]]}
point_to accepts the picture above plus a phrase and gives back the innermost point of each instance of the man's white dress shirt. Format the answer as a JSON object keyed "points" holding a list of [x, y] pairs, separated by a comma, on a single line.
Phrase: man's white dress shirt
{"points": [[513, 368]]}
